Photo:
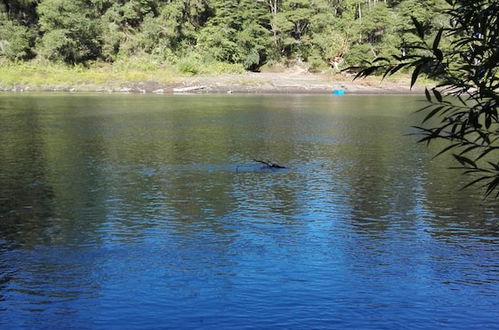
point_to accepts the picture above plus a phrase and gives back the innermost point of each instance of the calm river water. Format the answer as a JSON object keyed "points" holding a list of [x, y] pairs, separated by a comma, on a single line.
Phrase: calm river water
{"points": [[148, 212]]}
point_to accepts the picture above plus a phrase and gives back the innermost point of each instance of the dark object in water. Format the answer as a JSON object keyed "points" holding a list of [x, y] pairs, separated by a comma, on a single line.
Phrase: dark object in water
{"points": [[268, 163]]}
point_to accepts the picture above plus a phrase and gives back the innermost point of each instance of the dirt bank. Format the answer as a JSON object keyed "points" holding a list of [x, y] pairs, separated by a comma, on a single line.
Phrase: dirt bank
{"points": [[287, 83], [292, 82], [295, 83]]}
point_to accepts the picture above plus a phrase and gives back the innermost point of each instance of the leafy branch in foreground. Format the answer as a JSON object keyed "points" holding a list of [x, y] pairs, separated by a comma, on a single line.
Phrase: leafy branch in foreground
{"points": [[462, 108]]}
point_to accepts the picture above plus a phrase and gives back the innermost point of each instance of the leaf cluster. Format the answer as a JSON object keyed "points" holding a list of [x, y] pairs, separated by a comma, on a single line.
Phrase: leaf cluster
{"points": [[462, 108]]}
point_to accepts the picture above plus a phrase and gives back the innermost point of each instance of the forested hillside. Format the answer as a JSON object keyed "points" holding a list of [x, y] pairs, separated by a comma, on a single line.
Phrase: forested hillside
{"points": [[252, 33]]}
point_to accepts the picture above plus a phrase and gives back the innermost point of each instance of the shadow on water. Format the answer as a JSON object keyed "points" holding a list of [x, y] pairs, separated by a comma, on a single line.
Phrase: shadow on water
{"points": [[25, 193], [45, 201]]}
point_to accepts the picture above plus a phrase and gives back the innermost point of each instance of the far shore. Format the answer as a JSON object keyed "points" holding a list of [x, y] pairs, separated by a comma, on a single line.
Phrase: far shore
{"points": [[293, 82]]}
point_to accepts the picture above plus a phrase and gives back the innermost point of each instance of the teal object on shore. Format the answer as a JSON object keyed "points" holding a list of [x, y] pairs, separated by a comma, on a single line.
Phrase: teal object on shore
{"points": [[339, 92]]}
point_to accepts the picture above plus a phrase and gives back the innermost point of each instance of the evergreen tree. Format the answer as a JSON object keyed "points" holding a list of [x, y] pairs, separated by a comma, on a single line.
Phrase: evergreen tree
{"points": [[237, 33], [15, 40], [69, 30]]}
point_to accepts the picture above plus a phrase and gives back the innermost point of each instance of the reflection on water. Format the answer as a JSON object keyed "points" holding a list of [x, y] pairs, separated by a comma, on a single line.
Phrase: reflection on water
{"points": [[147, 211]]}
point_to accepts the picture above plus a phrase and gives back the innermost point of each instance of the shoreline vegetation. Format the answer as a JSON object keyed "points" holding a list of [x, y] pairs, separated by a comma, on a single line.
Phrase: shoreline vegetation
{"points": [[207, 46], [215, 78]]}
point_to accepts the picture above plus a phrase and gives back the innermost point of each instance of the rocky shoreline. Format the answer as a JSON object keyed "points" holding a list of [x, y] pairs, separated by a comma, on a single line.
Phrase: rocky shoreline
{"points": [[247, 83]]}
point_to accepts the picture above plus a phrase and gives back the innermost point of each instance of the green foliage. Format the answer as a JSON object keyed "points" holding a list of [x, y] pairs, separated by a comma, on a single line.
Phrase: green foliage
{"points": [[194, 64], [20, 11], [189, 65], [237, 33], [15, 40], [464, 103], [244, 32], [42, 74], [360, 53], [70, 33]]}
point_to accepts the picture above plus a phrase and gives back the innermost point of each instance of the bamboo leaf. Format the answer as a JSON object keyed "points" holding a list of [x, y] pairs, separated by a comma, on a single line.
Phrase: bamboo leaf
{"points": [[427, 93], [488, 122], [491, 186], [461, 99], [439, 55], [432, 113], [469, 149], [437, 95], [415, 74], [418, 26], [436, 41], [483, 154], [464, 160], [446, 149], [475, 181], [424, 108], [397, 68], [379, 59]]}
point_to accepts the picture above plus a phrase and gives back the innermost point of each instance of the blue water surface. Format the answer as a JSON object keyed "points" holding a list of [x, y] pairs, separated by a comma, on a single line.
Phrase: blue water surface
{"points": [[148, 212]]}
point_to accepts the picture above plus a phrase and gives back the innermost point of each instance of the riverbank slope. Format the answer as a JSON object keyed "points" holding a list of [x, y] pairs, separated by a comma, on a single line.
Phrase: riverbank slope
{"points": [[293, 81]]}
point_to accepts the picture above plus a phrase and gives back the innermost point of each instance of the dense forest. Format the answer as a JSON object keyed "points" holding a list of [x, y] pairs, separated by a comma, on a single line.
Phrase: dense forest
{"points": [[251, 33]]}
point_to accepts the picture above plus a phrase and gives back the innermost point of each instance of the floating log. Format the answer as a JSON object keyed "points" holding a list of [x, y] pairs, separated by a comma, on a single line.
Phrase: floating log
{"points": [[188, 89], [268, 163]]}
